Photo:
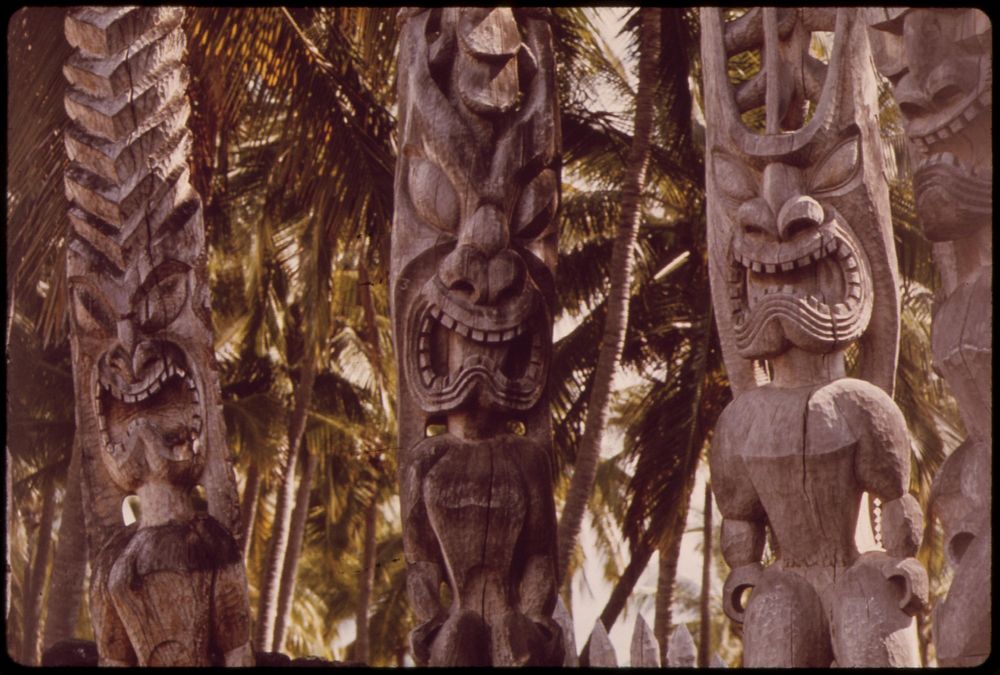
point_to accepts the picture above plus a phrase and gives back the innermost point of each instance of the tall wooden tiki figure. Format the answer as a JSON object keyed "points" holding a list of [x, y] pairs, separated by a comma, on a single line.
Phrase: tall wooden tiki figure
{"points": [[169, 589], [473, 256], [939, 63], [802, 266]]}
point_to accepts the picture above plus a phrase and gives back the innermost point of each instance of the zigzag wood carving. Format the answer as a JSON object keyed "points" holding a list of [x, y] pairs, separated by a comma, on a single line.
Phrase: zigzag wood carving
{"points": [[169, 589]]}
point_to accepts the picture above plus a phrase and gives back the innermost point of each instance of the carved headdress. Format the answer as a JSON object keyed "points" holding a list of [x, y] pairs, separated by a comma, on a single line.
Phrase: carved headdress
{"points": [[799, 230]]}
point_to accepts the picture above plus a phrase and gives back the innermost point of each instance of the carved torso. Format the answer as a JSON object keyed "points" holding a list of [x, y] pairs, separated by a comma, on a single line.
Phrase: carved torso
{"points": [[174, 590], [793, 454]]}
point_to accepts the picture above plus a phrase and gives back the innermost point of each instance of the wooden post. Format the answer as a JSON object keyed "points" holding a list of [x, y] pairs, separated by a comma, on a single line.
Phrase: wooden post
{"points": [[939, 63], [472, 301], [802, 265], [170, 589]]}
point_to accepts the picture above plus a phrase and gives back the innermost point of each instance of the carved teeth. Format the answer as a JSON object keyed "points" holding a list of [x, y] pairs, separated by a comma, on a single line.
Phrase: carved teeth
{"points": [[804, 261], [956, 125], [196, 446], [769, 268], [447, 321], [855, 292], [492, 336], [508, 334], [831, 246], [850, 262], [196, 423], [435, 311], [477, 335], [845, 250], [191, 385], [462, 329], [129, 398], [423, 360], [118, 448], [756, 266], [105, 438], [787, 266]]}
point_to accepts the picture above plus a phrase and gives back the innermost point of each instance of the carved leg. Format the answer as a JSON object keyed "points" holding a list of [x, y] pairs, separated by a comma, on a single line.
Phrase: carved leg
{"points": [[869, 628], [962, 629], [519, 641], [785, 626], [462, 641]]}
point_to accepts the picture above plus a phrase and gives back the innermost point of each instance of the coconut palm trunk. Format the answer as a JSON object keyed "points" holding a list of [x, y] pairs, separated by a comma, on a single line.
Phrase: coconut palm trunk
{"points": [[362, 650], [69, 563], [706, 580], [295, 536], [665, 582], [35, 588], [267, 611], [248, 508], [616, 322]]}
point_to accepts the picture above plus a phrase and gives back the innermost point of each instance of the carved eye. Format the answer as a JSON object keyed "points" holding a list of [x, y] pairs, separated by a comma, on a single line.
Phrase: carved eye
{"points": [[91, 312], [432, 195], [157, 307], [839, 167], [734, 180], [537, 207]]}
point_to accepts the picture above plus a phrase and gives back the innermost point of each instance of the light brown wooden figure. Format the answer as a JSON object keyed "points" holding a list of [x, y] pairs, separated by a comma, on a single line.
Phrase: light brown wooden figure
{"points": [[170, 589], [939, 63], [472, 292], [802, 265]]}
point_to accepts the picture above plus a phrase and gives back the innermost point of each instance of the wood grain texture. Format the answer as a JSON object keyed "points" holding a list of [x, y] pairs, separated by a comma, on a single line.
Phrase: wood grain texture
{"points": [[939, 63], [472, 300], [148, 403], [802, 265]]}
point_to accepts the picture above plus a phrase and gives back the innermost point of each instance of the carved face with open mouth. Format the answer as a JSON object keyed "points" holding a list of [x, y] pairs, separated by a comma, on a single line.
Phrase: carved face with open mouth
{"points": [[145, 393], [797, 274], [495, 357], [939, 62], [151, 415], [813, 290]]}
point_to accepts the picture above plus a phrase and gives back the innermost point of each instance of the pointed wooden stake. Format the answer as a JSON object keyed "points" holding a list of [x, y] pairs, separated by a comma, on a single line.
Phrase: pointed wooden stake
{"points": [[561, 616], [602, 653], [681, 653], [643, 652], [717, 661]]}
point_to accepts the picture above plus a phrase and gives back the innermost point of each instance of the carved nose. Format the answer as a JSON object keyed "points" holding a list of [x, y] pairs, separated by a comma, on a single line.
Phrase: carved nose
{"points": [[128, 360], [799, 215], [468, 273], [482, 267]]}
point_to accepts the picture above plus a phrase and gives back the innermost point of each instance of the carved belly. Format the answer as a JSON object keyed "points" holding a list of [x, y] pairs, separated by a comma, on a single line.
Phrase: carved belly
{"points": [[962, 344], [476, 502], [165, 613]]}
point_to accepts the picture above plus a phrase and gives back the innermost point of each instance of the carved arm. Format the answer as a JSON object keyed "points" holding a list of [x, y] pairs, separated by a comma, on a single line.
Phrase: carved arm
{"points": [[882, 466]]}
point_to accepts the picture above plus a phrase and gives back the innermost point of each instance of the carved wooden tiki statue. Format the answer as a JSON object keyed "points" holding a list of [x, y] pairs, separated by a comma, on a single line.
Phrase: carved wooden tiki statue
{"points": [[939, 62], [802, 266], [473, 257], [171, 588]]}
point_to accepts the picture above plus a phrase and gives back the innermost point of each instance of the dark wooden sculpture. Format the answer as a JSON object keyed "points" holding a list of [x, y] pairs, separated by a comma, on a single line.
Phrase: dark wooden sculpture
{"points": [[170, 589], [802, 265], [473, 256], [939, 63]]}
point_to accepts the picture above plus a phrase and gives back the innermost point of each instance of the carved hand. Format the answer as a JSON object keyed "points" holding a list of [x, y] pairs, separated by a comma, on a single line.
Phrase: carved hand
{"points": [[912, 578]]}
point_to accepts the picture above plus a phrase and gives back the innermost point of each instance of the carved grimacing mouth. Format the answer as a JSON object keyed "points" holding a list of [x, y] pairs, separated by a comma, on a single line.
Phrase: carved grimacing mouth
{"points": [[948, 127], [771, 281], [165, 399], [503, 358]]}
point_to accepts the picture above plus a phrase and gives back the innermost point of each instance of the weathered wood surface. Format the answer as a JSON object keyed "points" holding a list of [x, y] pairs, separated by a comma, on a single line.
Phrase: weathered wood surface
{"points": [[939, 63], [472, 301], [601, 653], [802, 265], [562, 617], [681, 652], [643, 651], [171, 589]]}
